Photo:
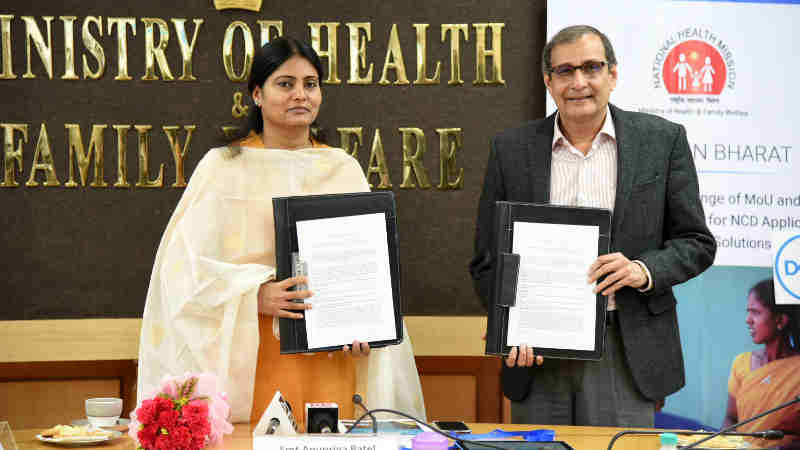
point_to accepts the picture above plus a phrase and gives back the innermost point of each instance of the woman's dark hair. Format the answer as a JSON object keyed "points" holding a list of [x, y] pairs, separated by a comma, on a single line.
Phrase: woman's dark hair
{"points": [[765, 293], [266, 60]]}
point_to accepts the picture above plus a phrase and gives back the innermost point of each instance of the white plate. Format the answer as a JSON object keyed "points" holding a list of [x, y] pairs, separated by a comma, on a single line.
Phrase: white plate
{"points": [[80, 440]]}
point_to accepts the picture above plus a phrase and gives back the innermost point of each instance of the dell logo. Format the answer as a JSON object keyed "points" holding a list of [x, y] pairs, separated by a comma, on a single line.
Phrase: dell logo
{"points": [[786, 268]]}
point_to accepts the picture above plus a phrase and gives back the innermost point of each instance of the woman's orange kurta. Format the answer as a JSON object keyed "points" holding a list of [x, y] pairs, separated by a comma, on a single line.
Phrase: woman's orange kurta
{"points": [[302, 378]]}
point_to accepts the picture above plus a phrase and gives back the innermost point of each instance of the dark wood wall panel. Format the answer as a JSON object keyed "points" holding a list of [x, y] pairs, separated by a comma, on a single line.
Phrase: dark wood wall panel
{"points": [[87, 251]]}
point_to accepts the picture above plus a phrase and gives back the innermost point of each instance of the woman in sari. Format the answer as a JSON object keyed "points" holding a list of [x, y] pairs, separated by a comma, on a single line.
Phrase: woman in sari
{"points": [[767, 377], [213, 304]]}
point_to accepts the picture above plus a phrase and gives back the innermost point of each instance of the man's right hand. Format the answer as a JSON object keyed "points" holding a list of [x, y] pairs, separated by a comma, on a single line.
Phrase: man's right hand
{"points": [[275, 298], [523, 357]]}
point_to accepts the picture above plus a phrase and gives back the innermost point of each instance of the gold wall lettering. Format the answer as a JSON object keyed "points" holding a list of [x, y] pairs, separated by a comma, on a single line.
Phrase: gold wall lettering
{"points": [[331, 52], [122, 160], [43, 160], [422, 57], [413, 149], [122, 24], [377, 163], [144, 160], [227, 51], [155, 53], [38, 35], [12, 158], [94, 48], [449, 144], [239, 109], [350, 138], [45, 51], [229, 131], [451, 177], [482, 53], [456, 30], [187, 49], [69, 48], [266, 26], [358, 52], [5, 42], [83, 157], [394, 60], [412, 158], [179, 154]]}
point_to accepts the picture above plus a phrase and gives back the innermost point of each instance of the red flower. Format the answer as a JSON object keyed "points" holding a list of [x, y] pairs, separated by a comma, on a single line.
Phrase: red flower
{"points": [[147, 435], [167, 419], [147, 412], [181, 437], [198, 442], [195, 409], [173, 420], [164, 404], [195, 413], [163, 442]]}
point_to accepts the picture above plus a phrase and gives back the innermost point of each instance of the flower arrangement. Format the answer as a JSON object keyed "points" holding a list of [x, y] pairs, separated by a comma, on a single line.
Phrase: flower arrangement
{"points": [[186, 413]]}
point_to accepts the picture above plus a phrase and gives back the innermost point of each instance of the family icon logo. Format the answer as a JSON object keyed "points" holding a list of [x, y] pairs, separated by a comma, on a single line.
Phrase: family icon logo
{"points": [[694, 67], [786, 269]]}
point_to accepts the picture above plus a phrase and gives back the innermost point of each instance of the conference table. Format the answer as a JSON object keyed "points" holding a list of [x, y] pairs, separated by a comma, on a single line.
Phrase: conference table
{"points": [[580, 438]]}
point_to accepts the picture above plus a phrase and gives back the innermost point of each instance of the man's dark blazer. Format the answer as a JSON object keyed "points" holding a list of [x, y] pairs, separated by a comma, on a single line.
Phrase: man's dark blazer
{"points": [[658, 219]]}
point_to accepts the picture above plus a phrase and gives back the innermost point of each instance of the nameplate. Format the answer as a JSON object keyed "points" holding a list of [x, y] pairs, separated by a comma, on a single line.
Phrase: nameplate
{"points": [[325, 442]]}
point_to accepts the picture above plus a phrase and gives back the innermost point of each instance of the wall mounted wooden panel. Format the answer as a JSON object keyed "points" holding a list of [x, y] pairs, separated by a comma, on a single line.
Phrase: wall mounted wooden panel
{"points": [[461, 387], [43, 394]]}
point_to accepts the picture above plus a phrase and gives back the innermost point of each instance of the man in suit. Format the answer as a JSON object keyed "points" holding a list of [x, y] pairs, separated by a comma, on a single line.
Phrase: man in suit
{"points": [[591, 153]]}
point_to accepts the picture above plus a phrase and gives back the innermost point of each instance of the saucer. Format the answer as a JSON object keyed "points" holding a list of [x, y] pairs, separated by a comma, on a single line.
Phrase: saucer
{"points": [[121, 425]]}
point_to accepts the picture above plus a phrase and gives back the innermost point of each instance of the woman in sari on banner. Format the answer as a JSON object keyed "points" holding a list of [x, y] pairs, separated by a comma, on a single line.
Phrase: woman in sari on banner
{"points": [[213, 303], [767, 377]]}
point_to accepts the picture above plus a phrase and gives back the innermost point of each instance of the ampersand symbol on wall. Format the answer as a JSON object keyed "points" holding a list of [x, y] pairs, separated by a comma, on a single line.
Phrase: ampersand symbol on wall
{"points": [[238, 110]]}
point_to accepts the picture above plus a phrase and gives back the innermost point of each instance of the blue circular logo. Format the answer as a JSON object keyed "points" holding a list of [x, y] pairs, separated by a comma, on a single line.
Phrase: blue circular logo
{"points": [[788, 273]]}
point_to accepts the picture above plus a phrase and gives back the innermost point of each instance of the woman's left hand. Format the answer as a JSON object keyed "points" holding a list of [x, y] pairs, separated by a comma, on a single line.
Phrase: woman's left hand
{"points": [[357, 349]]}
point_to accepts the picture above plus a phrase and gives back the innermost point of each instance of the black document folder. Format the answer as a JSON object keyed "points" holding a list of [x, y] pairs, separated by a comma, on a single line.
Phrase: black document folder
{"points": [[290, 210], [503, 295]]}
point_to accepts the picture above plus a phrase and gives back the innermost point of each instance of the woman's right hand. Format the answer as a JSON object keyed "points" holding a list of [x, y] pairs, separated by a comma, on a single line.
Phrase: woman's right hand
{"points": [[275, 298]]}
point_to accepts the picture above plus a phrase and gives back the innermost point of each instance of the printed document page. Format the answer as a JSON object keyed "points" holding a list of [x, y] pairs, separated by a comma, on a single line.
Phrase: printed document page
{"points": [[349, 275], [555, 306]]}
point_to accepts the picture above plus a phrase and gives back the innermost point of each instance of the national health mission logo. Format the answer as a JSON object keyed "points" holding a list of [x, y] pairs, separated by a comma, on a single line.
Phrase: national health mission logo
{"points": [[786, 269], [694, 61]]}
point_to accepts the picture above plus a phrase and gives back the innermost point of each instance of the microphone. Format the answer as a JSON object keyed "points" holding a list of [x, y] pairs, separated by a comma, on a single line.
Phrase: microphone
{"points": [[322, 417], [274, 423], [358, 401], [321, 423], [768, 434], [278, 418], [757, 416]]}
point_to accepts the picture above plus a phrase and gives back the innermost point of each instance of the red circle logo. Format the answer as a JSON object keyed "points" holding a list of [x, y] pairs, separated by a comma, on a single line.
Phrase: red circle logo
{"points": [[694, 67]]}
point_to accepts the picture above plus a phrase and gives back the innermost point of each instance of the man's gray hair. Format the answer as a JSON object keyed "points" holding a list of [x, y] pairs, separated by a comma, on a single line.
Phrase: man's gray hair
{"points": [[571, 34]]}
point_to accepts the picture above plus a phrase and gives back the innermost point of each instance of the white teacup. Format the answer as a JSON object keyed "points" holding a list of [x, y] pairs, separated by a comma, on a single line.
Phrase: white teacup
{"points": [[103, 412]]}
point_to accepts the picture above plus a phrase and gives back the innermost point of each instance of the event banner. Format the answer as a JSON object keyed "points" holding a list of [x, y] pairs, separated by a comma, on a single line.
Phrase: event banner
{"points": [[708, 65], [721, 70]]}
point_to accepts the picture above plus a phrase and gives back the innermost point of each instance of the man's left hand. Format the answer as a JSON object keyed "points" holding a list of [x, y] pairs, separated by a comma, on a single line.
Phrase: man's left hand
{"points": [[619, 271]]}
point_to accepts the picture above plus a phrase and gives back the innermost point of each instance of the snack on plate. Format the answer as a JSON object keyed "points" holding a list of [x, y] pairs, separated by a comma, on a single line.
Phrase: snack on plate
{"points": [[718, 441], [67, 431]]}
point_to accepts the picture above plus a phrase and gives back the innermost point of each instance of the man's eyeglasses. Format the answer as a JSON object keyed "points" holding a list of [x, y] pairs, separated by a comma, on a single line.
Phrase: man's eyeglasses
{"points": [[589, 69]]}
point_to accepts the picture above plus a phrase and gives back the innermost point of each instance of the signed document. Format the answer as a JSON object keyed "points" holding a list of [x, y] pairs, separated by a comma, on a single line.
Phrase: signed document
{"points": [[555, 306], [348, 270]]}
